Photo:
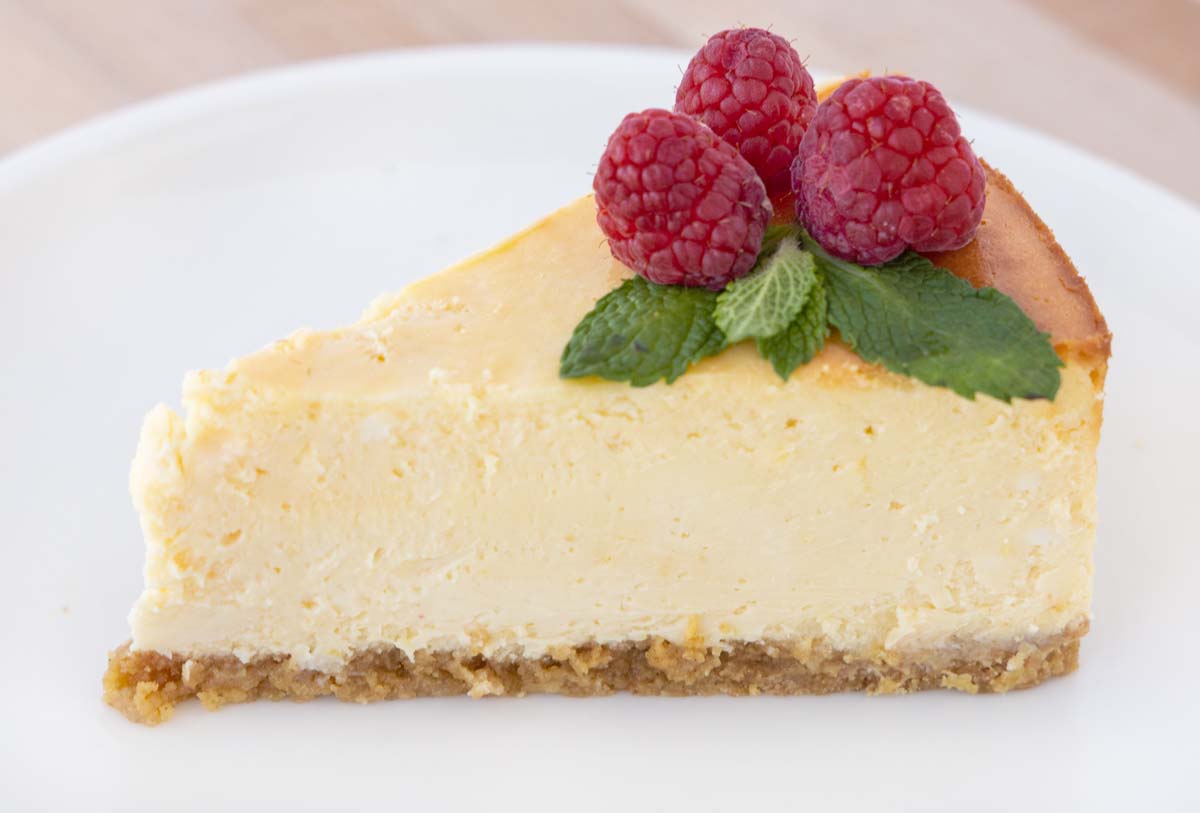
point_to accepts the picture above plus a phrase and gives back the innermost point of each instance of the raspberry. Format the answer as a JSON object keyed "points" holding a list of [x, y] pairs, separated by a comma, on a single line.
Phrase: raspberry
{"points": [[678, 204], [884, 166], [751, 88]]}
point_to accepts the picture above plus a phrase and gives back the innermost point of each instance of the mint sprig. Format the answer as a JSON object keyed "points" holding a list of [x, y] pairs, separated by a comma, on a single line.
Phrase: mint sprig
{"points": [[781, 304], [802, 339], [643, 332], [766, 300], [908, 315], [920, 320]]}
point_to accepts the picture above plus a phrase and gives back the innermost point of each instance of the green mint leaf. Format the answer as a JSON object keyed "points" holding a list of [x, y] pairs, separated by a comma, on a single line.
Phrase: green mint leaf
{"points": [[802, 339], [643, 332], [765, 301], [920, 320]]}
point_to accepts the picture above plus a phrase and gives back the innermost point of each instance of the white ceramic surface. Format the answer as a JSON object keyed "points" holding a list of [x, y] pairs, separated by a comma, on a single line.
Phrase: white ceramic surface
{"points": [[192, 229]]}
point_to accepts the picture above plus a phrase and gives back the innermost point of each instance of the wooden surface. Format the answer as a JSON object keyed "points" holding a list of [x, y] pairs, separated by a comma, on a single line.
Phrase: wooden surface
{"points": [[1119, 78]]}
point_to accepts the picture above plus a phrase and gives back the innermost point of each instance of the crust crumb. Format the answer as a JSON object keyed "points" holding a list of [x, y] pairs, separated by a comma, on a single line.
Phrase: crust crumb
{"points": [[146, 686]]}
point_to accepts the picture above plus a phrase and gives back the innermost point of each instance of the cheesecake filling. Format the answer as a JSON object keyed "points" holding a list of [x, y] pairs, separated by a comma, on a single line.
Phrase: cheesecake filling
{"points": [[850, 505]]}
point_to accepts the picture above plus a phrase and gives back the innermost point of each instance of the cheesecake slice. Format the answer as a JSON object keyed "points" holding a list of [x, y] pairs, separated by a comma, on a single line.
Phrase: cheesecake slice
{"points": [[418, 504]]}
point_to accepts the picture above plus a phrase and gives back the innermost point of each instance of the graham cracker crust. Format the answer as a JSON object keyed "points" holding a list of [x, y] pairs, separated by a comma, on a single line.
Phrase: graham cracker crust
{"points": [[145, 686]]}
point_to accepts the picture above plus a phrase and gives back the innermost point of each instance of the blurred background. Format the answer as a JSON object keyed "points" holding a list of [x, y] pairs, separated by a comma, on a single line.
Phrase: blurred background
{"points": [[1120, 78]]}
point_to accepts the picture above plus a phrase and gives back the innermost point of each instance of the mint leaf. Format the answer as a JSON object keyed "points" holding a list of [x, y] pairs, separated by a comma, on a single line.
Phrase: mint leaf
{"points": [[802, 339], [765, 301], [643, 332], [920, 320]]}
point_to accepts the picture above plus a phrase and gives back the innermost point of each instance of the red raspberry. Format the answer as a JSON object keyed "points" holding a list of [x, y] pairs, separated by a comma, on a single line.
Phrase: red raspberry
{"points": [[883, 167], [678, 204], [751, 88]]}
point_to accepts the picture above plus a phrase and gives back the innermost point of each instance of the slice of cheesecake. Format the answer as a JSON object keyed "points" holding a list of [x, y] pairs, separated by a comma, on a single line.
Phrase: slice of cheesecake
{"points": [[418, 504]]}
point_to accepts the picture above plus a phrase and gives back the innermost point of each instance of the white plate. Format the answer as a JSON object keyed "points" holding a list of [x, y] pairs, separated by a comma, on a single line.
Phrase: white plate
{"points": [[186, 231]]}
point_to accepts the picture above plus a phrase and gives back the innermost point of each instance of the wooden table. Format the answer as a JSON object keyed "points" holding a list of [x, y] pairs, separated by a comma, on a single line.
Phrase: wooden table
{"points": [[1119, 78]]}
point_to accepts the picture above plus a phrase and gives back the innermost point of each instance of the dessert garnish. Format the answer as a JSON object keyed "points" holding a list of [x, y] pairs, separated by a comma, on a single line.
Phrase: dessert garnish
{"points": [[750, 87], [679, 205], [881, 173], [884, 167]]}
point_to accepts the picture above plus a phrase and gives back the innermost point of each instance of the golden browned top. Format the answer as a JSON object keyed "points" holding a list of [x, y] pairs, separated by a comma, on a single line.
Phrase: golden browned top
{"points": [[514, 296]]}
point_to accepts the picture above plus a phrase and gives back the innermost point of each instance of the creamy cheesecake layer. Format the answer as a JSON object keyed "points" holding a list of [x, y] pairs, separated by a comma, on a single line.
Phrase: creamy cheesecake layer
{"points": [[424, 480], [840, 505]]}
